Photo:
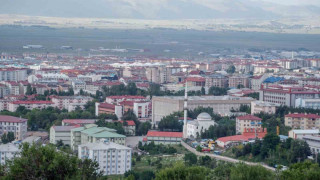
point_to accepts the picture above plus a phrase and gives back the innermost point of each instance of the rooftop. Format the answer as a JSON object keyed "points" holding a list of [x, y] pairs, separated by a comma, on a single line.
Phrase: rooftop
{"points": [[249, 117], [5, 118], [164, 134]]}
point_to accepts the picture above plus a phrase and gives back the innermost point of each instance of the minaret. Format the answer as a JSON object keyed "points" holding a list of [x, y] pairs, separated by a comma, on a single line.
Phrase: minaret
{"points": [[185, 109]]}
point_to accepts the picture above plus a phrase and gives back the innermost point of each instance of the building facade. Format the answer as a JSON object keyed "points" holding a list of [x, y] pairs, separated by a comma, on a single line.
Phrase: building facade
{"points": [[165, 105], [113, 159], [302, 121], [247, 121], [13, 124]]}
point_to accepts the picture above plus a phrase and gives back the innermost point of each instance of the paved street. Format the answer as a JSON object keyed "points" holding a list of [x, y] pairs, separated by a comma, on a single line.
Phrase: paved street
{"points": [[132, 141], [223, 158]]}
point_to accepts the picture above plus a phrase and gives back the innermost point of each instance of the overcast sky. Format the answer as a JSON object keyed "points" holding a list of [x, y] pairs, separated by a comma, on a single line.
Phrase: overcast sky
{"points": [[163, 9]]}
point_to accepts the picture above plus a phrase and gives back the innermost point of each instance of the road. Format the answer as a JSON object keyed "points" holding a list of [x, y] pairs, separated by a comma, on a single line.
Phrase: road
{"points": [[223, 158]]}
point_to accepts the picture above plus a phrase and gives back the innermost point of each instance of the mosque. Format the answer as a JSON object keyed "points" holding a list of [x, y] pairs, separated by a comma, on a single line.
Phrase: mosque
{"points": [[202, 123], [192, 129]]}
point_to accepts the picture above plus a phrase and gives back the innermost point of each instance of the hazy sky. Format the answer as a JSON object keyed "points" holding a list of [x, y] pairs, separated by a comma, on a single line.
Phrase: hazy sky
{"points": [[163, 9]]}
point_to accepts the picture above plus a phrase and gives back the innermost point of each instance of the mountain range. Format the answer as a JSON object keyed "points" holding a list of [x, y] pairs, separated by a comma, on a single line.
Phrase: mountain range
{"points": [[163, 9]]}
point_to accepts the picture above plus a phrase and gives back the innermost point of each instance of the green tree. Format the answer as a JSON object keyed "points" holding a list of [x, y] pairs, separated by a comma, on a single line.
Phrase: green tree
{"points": [[180, 171], [190, 159], [217, 91], [4, 138], [34, 90], [10, 137], [301, 171], [203, 91], [29, 90], [242, 171], [44, 162], [231, 69]]}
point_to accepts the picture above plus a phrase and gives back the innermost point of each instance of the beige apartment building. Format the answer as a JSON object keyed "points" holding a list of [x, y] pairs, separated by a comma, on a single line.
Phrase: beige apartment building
{"points": [[265, 107], [247, 122], [302, 121], [236, 80]]}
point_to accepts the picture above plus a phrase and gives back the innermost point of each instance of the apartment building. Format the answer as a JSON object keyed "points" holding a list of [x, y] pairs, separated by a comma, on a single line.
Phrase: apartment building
{"points": [[142, 109], [13, 124], [13, 74], [63, 102], [92, 133], [307, 103], [8, 152], [265, 107], [13, 106], [247, 122], [217, 80], [302, 121], [62, 133], [285, 95], [239, 80], [113, 159]]}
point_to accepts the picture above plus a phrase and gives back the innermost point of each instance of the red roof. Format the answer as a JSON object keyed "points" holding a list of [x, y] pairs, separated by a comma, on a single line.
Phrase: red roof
{"points": [[32, 102], [241, 137], [196, 79], [164, 134], [130, 123], [4, 118], [302, 115], [79, 121], [107, 105], [249, 117]]}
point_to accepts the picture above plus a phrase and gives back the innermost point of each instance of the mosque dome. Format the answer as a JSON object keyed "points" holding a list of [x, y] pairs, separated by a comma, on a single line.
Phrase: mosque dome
{"points": [[204, 117]]}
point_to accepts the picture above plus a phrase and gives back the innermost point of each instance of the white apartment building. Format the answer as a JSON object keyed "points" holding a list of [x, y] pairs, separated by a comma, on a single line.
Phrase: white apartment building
{"points": [[313, 142], [14, 87], [7, 152], [299, 134], [257, 81], [113, 159], [13, 106], [63, 133], [287, 95], [13, 74], [261, 106], [63, 102], [141, 109], [307, 103], [13, 124]]}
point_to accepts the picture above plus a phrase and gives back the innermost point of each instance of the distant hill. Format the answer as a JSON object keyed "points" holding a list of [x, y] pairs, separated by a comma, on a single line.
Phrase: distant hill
{"points": [[160, 9]]}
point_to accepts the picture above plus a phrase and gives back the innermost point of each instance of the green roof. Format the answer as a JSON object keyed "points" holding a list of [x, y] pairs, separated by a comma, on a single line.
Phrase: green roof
{"points": [[95, 130], [107, 134], [78, 129]]}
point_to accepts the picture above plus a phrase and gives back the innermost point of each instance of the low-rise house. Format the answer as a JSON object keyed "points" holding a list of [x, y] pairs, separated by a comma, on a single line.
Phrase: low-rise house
{"points": [[162, 137], [299, 134], [129, 127], [246, 136]]}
